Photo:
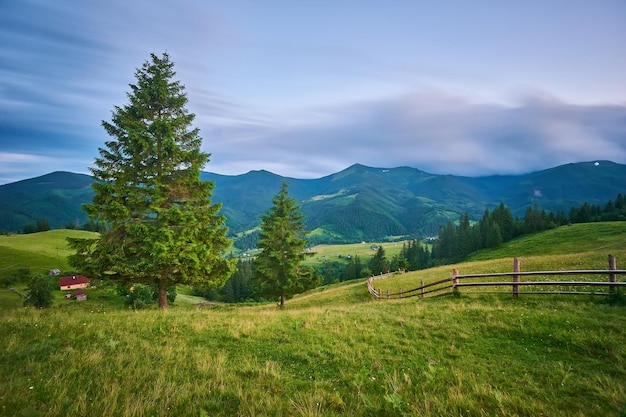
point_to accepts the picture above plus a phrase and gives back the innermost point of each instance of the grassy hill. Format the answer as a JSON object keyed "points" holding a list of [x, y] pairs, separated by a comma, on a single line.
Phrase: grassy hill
{"points": [[575, 247], [39, 252], [576, 238], [333, 351]]}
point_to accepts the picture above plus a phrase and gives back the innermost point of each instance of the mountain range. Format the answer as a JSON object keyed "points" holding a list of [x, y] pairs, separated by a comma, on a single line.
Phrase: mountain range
{"points": [[356, 204]]}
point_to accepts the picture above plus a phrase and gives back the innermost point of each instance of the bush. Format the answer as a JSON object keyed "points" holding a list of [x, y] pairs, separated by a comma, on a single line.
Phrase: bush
{"points": [[171, 293], [8, 281], [140, 296], [39, 292], [22, 275]]}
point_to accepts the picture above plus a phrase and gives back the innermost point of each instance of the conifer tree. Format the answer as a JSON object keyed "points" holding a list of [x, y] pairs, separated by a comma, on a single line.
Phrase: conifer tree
{"points": [[353, 269], [278, 270], [504, 219], [379, 263], [238, 287], [160, 225]]}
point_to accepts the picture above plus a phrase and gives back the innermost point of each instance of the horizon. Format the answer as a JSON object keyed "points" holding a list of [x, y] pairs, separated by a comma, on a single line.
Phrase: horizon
{"points": [[595, 162]]}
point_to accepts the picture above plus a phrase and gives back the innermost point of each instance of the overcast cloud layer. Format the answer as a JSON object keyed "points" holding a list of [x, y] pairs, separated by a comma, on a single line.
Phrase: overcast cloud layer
{"points": [[305, 89]]}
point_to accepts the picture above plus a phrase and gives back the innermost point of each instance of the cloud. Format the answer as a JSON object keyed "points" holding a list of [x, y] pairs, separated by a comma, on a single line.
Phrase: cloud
{"points": [[271, 90], [14, 165], [434, 131]]}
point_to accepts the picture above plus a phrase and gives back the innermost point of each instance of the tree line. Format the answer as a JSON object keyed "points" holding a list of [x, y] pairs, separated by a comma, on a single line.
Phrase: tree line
{"points": [[456, 241], [43, 224]]}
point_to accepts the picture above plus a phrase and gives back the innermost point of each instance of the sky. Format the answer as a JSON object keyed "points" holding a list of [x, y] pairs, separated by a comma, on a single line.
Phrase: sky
{"points": [[306, 88]]}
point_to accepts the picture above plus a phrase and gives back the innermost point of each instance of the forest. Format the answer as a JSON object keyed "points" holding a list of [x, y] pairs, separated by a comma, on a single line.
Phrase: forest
{"points": [[454, 243]]}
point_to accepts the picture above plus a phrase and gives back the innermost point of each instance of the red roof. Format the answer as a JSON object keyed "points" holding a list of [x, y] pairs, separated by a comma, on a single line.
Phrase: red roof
{"points": [[73, 280]]}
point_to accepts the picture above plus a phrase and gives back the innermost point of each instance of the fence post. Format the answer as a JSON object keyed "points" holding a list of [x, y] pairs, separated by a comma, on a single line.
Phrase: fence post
{"points": [[400, 292], [455, 280], [612, 277], [516, 268], [422, 286], [387, 293]]}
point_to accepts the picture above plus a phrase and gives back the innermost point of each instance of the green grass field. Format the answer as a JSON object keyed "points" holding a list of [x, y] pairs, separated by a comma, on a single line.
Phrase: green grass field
{"points": [[339, 253], [574, 239], [39, 252], [333, 351]]}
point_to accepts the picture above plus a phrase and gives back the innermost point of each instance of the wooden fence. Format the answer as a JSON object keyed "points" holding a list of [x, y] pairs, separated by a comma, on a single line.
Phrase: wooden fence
{"points": [[494, 283]]}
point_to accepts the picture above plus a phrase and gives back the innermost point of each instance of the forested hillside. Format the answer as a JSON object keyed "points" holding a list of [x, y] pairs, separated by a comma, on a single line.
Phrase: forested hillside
{"points": [[55, 199], [356, 204]]}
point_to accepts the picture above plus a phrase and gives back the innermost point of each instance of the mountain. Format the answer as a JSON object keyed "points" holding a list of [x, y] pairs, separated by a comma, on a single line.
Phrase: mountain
{"points": [[358, 203], [57, 197]]}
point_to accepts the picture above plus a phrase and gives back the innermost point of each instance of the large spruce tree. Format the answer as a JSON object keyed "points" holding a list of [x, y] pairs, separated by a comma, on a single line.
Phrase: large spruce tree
{"points": [[160, 224], [278, 270]]}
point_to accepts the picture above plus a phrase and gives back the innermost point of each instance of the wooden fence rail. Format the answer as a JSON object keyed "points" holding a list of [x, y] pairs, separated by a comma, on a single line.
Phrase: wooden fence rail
{"points": [[453, 284]]}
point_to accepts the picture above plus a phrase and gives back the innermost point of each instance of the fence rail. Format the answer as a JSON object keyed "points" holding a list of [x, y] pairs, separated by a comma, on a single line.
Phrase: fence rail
{"points": [[453, 284]]}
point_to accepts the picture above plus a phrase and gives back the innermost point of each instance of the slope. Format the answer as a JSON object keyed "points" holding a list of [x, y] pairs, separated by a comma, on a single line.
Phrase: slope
{"points": [[57, 197], [39, 252], [575, 247], [331, 352]]}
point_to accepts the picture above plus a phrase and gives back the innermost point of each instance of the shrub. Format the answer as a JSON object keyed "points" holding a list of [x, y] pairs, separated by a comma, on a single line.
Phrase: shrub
{"points": [[39, 292], [140, 296]]}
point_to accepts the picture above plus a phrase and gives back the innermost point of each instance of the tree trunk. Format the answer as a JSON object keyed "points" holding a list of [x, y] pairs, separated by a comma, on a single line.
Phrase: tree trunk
{"points": [[282, 301], [162, 295]]}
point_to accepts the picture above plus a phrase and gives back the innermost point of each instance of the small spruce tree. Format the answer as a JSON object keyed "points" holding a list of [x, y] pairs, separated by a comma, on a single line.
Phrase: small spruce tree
{"points": [[378, 263], [278, 270]]}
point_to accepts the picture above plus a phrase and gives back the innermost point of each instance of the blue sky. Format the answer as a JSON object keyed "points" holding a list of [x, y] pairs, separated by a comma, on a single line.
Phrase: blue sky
{"points": [[307, 88]]}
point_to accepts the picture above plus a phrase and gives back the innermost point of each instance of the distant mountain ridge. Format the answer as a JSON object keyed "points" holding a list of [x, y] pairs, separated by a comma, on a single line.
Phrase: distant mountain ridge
{"points": [[358, 203], [57, 196]]}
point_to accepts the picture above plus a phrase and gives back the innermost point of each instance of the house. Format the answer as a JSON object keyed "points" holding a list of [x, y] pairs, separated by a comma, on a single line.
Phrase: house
{"points": [[80, 295], [74, 282]]}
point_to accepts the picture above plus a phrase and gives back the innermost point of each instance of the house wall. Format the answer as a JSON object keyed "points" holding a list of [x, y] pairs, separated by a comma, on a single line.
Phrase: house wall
{"points": [[73, 286]]}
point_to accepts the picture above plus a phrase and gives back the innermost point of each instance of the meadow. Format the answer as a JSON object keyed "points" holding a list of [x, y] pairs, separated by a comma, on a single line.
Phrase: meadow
{"points": [[341, 253], [39, 252], [332, 351]]}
